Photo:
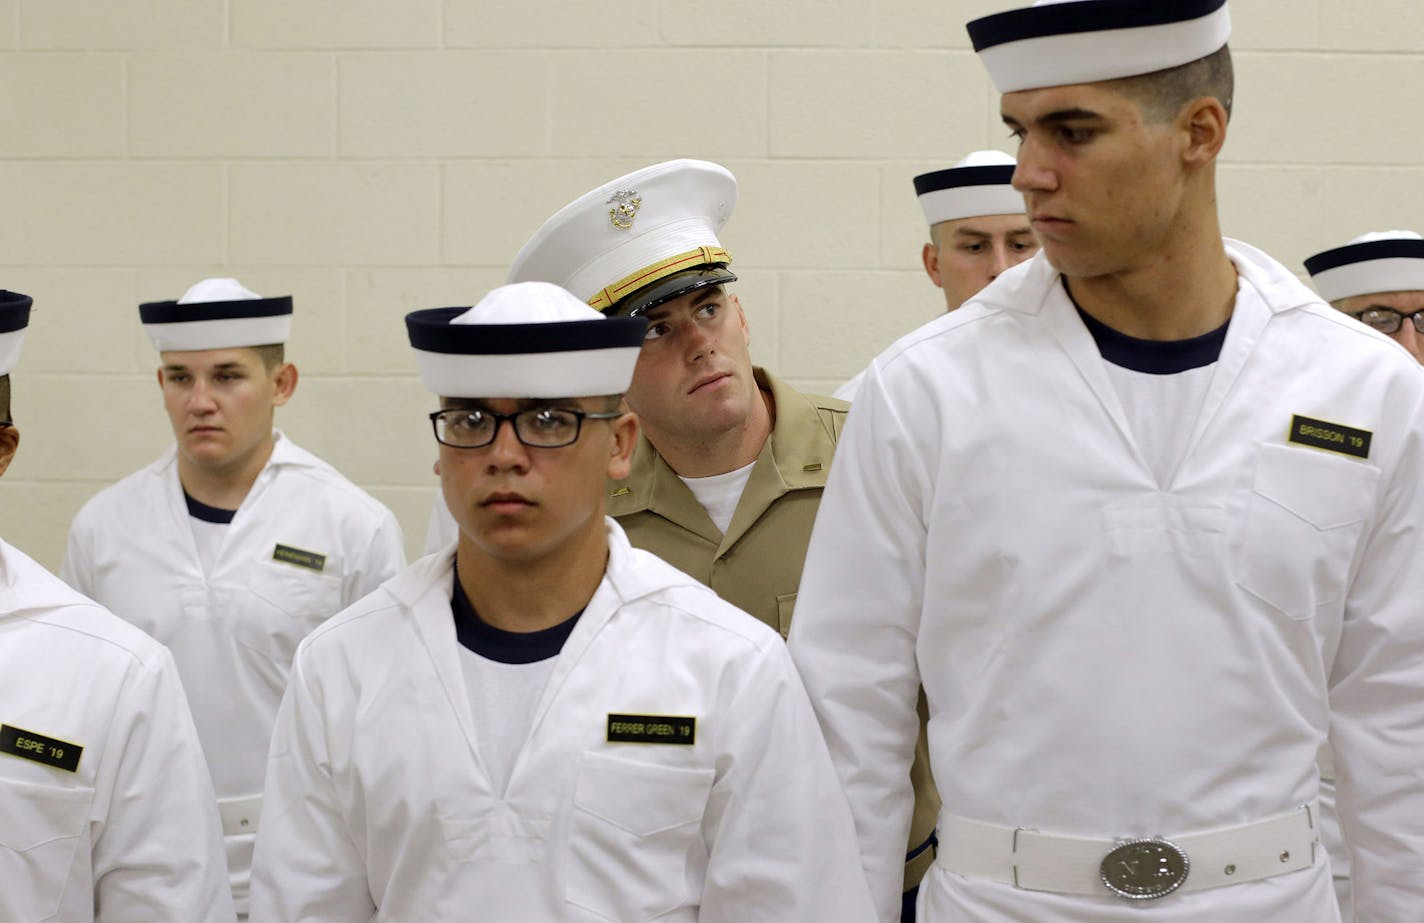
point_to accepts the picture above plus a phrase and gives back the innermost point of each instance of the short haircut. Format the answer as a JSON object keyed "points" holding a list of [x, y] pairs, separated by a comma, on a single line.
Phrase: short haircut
{"points": [[1163, 94], [5, 399], [272, 355]]}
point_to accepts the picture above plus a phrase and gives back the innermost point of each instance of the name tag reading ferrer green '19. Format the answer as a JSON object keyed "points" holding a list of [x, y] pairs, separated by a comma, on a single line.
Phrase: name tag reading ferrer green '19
{"points": [[28, 745], [308, 559], [1332, 437], [652, 729]]}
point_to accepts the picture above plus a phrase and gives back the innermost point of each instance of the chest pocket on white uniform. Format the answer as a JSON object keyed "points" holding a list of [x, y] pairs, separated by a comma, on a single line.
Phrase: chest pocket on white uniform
{"points": [[1302, 523], [635, 829], [40, 829], [297, 601]]}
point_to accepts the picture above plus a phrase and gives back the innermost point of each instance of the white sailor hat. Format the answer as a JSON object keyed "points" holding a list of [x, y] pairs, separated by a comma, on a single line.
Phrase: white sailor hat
{"points": [[217, 314], [530, 339], [1061, 42], [637, 241], [975, 186], [1381, 261], [14, 318]]}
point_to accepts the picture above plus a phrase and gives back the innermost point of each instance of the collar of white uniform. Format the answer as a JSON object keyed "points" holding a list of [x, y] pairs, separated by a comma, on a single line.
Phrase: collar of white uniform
{"points": [[1065, 42]]}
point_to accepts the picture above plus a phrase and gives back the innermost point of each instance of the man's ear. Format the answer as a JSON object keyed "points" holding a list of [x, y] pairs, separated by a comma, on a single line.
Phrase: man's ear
{"points": [[9, 444], [929, 255], [625, 439], [1204, 120], [285, 377]]}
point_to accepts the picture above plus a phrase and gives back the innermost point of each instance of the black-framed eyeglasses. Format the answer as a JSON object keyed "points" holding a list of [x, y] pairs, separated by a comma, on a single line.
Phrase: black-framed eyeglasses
{"points": [[539, 427], [1388, 320]]}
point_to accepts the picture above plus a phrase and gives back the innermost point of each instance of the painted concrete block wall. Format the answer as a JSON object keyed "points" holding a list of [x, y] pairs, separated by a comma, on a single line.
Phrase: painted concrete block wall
{"points": [[375, 156]]}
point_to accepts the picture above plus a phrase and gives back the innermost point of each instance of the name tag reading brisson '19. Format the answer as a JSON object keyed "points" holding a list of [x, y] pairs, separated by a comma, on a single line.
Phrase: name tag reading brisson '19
{"points": [[652, 729], [1332, 437], [28, 745]]}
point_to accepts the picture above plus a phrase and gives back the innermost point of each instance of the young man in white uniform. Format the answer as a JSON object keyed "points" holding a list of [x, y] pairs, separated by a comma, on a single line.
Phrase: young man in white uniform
{"points": [[544, 723], [1378, 279], [235, 543], [978, 230], [106, 810], [1142, 517]]}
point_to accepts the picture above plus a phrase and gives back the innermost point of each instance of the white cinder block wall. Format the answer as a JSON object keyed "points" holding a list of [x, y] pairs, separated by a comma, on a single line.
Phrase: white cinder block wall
{"points": [[375, 156]]}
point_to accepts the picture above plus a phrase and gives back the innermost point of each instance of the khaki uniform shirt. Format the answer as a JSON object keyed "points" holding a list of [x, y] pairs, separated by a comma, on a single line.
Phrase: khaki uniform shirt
{"points": [[756, 565]]}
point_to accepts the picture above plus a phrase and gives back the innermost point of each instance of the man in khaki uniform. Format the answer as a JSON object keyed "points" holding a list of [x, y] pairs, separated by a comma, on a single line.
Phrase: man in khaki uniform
{"points": [[728, 473]]}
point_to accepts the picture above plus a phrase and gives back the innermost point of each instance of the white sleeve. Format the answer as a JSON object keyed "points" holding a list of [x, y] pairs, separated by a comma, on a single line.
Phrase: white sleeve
{"points": [[384, 558], [158, 853], [857, 617], [442, 529], [1377, 701], [306, 867], [781, 844]]}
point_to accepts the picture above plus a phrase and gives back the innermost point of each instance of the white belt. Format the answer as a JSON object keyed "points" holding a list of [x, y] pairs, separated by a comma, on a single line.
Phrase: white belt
{"points": [[239, 815], [1038, 861]]}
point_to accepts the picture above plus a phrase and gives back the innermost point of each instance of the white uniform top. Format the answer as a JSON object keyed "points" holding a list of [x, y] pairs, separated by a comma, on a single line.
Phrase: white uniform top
{"points": [[378, 805], [1105, 655], [233, 631], [116, 821]]}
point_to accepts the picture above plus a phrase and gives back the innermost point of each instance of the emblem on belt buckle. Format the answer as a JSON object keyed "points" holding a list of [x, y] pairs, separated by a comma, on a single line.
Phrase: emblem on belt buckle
{"points": [[1144, 869]]}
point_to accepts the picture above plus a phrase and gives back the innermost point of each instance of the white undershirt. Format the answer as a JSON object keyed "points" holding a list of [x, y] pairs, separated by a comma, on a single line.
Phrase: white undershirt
{"points": [[503, 698], [719, 493], [208, 537], [1162, 411]]}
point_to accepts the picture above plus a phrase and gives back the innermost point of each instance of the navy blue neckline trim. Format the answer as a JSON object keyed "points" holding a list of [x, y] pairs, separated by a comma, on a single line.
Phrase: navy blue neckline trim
{"points": [[477, 635], [200, 510], [1154, 357]]}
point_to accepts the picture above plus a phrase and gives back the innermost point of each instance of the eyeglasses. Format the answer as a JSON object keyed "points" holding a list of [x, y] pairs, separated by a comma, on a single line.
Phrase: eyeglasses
{"points": [[1388, 320], [539, 427]]}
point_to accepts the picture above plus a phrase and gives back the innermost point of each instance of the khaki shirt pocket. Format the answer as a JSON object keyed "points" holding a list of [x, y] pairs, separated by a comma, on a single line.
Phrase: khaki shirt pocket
{"points": [[635, 828], [40, 828], [1301, 527]]}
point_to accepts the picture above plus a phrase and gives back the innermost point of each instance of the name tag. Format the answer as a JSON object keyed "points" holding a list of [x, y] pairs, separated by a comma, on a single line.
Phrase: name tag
{"points": [[296, 556], [652, 729], [1332, 437], [28, 745]]}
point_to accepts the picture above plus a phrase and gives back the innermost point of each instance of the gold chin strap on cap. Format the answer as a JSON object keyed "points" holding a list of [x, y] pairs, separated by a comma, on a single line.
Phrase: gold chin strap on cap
{"points": [[612, 294]]}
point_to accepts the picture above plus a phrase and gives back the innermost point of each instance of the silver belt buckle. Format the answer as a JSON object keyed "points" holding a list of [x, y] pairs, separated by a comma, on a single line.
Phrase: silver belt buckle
{"points": [[1144, 869]]}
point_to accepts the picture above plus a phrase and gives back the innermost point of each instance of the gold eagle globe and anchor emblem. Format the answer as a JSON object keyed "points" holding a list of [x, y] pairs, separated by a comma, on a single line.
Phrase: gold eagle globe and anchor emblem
{"points": [[626, 203]]}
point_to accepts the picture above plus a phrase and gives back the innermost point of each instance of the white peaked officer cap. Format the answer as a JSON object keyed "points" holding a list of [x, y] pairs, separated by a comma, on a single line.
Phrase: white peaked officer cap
{"points": [[531, 339], [1058, 43], [217, 314], [637, 241], [14, 318], [976, 186], [1381, 261]]}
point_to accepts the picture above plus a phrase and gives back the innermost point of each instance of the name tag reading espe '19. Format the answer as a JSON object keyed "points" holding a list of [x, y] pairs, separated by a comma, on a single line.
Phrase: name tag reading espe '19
{"points": [[1332, 437], [652, 729], [28, 745]]}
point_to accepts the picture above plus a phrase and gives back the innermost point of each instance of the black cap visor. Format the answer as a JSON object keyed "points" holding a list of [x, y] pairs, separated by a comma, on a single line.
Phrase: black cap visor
{"points": [[670, 287]]}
